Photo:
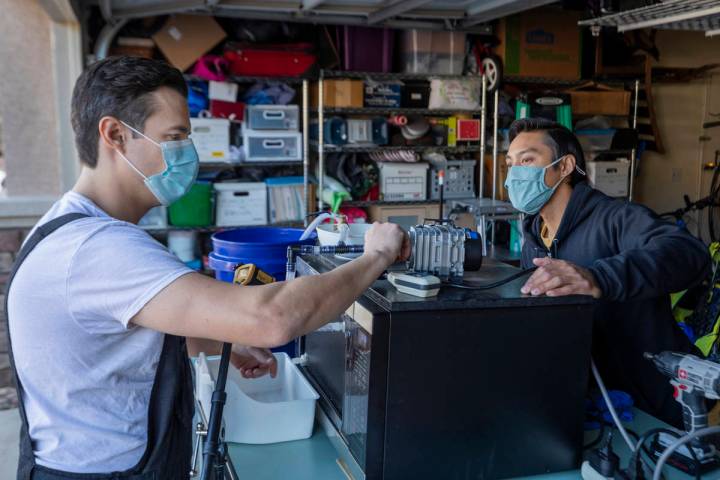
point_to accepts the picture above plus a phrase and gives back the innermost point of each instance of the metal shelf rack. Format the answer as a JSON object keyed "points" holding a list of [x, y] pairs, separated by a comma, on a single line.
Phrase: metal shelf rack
{"points": [[213, 228], [321, 148], [703, 15], [382, 148], [393, 111], [388, 76], [304, 109]]}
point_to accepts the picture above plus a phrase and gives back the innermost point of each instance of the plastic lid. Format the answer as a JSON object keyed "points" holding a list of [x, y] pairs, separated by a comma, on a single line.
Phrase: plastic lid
{"points": [[231, 186]]}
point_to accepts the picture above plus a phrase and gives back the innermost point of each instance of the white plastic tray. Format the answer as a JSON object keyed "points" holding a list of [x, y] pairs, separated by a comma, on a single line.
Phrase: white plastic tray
{"points": [[262, 410]]}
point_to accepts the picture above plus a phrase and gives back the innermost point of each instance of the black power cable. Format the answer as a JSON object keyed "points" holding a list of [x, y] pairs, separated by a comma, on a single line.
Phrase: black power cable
{"points": [[499, 283]]}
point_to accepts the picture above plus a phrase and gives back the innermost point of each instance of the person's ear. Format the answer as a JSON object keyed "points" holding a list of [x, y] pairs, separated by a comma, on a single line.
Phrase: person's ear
{"points": [[567, 166], [112, 133]]}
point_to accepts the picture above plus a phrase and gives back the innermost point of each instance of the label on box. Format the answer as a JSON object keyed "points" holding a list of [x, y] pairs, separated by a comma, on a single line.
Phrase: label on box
{"points": [[382, 94]]}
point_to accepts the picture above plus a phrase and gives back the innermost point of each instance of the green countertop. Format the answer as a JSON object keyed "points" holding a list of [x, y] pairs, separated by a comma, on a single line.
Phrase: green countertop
{"points": [[317, 459]]}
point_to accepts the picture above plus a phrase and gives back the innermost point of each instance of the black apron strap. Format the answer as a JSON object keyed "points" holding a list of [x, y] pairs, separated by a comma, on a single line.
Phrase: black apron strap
{"points": [[27, 458], [169, 436]]}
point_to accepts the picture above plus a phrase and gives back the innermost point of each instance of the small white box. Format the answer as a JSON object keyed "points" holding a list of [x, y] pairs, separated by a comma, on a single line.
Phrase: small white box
{"points": [[211, 137], [224, 91], [403, 181], [241, 203], [611, 177], [260, 410]]}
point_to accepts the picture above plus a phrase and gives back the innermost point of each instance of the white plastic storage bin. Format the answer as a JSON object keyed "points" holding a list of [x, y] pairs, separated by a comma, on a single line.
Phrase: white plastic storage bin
{"points": [[403, 181], [241, 203], [261, 410], [272, 117], [611, 178], [211, 137], [272, 146]]}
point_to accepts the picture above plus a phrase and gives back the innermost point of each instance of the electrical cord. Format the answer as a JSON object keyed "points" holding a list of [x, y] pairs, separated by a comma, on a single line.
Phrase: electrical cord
{"points": [[610, 406], [653, 433], [499, 283], [703, 432]]}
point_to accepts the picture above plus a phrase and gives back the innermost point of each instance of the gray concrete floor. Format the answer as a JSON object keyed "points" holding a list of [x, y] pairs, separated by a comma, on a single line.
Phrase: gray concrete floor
{"points": [[9, 429]]}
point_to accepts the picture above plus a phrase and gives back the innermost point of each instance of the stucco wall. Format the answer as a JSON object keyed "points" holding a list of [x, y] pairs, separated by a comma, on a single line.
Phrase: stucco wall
{"points": [[27, 100]]}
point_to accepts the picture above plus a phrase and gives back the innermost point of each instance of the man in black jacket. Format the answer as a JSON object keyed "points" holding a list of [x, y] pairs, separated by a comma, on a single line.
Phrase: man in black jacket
{"points": [[586, 243]]}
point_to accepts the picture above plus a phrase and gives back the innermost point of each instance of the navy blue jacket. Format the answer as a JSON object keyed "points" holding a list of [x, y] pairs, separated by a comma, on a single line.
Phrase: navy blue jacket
{"points": [[637, 259]]}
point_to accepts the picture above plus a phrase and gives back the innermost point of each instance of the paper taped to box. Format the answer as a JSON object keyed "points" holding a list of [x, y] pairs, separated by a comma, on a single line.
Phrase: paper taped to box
{"points": [[455, 94]]}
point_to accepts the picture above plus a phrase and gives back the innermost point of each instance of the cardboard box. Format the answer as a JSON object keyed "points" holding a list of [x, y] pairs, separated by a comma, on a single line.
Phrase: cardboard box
{"points": [[541, 43], [383, 94], [404, 215], [185, 38], [600, 102], [611, 178], [339, 93], [502, 171], [241, 203]]}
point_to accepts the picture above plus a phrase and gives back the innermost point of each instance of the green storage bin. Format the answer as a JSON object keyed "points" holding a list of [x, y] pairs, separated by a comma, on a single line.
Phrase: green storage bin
{"points": [[195, 208]]}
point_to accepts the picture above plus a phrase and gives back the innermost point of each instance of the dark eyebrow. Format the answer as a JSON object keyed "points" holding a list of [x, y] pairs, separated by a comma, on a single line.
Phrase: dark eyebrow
{"points": [[517, 154], [180, 128]]}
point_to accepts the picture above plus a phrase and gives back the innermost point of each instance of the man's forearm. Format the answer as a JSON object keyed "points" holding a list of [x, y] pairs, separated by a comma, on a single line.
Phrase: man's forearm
{"points": [[313, 301]]}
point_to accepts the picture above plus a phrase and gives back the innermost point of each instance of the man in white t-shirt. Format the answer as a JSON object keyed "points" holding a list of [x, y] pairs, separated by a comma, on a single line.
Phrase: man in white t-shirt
{"points": [[98, 311]]}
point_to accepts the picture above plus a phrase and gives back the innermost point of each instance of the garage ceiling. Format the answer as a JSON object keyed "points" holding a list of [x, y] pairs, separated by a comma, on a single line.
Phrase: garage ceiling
{"points": [[466, 15], [701, 15]]}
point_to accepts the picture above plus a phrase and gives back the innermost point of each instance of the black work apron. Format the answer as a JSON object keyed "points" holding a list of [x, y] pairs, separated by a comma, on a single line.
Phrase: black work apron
{"points": [[169, 435]]}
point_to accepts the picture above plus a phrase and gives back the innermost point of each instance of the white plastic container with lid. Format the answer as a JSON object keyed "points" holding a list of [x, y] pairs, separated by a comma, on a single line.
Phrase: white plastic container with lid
{"points": [[260, 410], [611, 178], [403, 181], [211, 137], [241, 203]]}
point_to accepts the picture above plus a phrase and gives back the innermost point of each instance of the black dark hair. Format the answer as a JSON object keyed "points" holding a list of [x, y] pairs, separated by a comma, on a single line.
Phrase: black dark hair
{"points": [[560, 140], [120, 87]]}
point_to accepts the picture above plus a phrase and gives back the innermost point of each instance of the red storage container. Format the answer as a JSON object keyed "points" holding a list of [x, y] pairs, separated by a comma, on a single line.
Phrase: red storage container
{"points": [[223, 109], [282, 60], [368, 49]]}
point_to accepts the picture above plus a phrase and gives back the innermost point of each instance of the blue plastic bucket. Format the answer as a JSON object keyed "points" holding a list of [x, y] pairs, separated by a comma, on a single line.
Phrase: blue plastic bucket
{"points": [[265, 247]]}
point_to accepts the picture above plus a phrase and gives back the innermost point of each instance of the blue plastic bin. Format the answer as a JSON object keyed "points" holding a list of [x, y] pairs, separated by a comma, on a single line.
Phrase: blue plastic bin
{"points": [[265, 247]]}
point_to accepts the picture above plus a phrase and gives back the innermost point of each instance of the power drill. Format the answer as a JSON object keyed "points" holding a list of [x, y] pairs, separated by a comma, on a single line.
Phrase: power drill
{"points": [[694, 380]]}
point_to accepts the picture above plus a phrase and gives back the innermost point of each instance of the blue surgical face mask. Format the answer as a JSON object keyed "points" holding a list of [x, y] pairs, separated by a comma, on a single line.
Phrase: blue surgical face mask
{"points": [[526, 187], [181, 169]]}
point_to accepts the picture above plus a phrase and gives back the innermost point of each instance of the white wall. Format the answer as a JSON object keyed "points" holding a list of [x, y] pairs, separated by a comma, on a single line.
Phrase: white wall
{"points": [[681, 108]]}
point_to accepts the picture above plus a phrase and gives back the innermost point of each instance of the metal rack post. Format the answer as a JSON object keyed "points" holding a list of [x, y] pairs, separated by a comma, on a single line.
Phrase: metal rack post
{"points": [[483, 124], [321, 141], [306, 151], [633, 153], [495, 144]]}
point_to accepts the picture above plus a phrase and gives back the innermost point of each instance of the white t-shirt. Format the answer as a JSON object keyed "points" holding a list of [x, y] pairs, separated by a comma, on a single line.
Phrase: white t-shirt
{"points": [[86, 372]]}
